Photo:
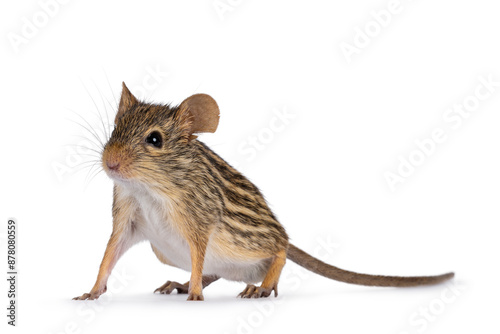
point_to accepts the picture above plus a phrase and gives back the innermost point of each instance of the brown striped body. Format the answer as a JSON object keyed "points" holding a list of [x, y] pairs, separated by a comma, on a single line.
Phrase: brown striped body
{"points": [[198, 213], [243, 234]]}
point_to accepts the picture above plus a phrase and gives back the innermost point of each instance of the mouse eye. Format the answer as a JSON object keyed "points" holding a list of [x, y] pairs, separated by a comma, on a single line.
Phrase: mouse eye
{"points": [[154, 138]]}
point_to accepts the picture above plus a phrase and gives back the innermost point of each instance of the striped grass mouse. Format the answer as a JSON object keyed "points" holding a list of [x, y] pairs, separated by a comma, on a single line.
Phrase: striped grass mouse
{"points": [[199, 213]]}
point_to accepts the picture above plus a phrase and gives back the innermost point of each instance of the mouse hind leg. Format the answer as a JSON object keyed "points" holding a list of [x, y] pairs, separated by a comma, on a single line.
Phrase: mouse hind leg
{"points": [[169, 286], [270, 282]]}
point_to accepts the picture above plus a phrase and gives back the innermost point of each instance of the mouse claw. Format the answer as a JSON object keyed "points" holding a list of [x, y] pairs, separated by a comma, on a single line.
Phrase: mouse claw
{"points": [[170, 286], [88, 296], [252, 291]]}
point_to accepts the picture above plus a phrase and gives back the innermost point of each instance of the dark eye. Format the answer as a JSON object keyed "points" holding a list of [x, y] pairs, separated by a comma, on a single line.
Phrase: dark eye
{"points": [[154, 138]]}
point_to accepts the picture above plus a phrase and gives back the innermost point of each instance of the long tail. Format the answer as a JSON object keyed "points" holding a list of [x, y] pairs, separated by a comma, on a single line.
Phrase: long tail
{"points": [[319, 267]]}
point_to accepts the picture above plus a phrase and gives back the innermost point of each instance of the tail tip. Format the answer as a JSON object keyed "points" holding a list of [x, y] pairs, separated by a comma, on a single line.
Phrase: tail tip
{"points": [[448, 276]]}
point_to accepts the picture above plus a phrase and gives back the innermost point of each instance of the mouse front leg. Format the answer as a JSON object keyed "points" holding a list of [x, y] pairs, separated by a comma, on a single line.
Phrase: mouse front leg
{"points": [[122, 238], [197, 249], [118, 243]]}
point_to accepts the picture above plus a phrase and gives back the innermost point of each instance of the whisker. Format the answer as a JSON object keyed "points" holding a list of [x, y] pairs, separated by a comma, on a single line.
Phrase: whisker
{"points": [[90, 140], [95, 174], [85, 154], [90, 170], [106, 128], [111, 89], [114, 107], [94, 161], [84, 147], [85, 164], [94, 133], [96, 107]]}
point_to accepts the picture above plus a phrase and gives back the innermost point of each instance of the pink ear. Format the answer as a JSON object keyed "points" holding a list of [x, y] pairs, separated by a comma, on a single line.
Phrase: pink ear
{"points": [[127, 100], [203, 113]]}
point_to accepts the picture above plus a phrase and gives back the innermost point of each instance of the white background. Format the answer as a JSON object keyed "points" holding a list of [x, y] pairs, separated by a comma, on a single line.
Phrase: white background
{"points": [[322, 170]]}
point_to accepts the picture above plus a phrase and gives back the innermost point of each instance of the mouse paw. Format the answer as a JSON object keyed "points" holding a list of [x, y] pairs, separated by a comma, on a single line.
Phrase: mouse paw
{"points": [[252, 291], [195, 296], [168, 287], [91, 295]]}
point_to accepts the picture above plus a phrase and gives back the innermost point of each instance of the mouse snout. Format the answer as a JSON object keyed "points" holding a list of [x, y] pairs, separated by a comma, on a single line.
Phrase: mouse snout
{"points": [[116, 161], [113, 165]]}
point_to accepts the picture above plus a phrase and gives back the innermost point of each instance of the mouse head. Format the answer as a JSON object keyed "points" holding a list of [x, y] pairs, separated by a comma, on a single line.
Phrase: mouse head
{"points": [[151, 142]]}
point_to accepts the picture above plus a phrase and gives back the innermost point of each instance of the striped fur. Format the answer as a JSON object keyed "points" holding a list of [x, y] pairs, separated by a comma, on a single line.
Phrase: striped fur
{"points": [[199, 213]]}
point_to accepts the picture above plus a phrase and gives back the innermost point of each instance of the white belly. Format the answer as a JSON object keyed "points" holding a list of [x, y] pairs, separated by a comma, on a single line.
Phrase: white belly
{"points": [[156, 226]]}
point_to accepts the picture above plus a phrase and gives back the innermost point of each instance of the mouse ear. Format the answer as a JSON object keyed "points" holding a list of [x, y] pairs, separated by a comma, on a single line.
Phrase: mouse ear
{"points": [[126, 101], [201, 114]]}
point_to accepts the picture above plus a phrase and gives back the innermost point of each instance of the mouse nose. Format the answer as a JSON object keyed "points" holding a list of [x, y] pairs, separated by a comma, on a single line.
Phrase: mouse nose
{"points": [[113, 165]]}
